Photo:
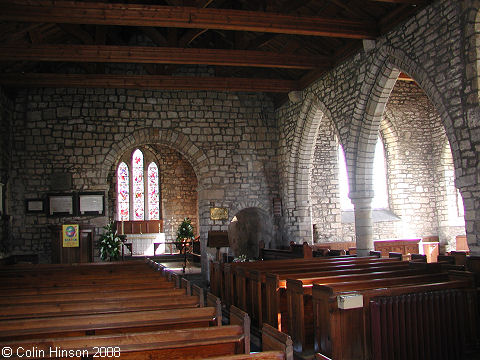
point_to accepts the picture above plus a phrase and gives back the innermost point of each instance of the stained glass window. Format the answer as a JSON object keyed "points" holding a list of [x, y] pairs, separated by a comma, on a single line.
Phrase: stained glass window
{"points": [[138, 185], [123, 192], [153, 196]]}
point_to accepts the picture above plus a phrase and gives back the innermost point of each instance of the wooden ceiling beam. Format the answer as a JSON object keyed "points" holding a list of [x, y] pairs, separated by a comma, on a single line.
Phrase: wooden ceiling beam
{"points": [[184, 17], [411, 2], [159, 55], [153, 82]]}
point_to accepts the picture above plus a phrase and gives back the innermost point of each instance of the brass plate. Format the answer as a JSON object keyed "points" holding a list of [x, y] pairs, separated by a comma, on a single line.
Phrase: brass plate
{"points": [[218, 213]]}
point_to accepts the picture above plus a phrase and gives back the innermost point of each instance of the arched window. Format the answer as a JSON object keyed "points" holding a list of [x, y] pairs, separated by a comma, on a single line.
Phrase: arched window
{"points": [[132, 204], [138, 186], [344, 188], [380, 199], [153, 195], [123, 192]]}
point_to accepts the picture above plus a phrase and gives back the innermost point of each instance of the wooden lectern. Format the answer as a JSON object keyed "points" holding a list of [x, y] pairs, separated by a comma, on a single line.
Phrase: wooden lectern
{"points": [[218, 239]]}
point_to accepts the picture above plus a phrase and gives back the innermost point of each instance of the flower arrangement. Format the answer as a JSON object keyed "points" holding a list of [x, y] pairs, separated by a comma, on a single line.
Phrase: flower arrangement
{"points": [[110, 243]]}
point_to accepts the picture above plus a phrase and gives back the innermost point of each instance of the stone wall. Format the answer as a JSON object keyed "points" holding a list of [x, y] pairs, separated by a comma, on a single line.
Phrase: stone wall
{"points": [[427, 47], [325, 198], [230, 141], [6, 110], [419, 174]]}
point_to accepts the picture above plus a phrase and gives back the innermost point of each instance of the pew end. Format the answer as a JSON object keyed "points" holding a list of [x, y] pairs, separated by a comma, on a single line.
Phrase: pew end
{"points": [[241, 318], [185, 284], [272, 339], [198, 292], [214, 301]]}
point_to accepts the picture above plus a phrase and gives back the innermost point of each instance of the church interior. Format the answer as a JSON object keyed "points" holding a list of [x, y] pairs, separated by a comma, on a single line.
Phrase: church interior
{"points": [[306, 173]]}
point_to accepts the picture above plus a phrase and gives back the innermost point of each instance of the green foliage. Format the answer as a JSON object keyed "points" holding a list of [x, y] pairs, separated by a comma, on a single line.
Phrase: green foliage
{"points": [[185, 230], [110, 243]]}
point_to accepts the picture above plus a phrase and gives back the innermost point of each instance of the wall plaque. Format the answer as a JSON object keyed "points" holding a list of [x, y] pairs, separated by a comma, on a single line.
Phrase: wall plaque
{"points": [[217, 213], [91, 203], [60, 204], [35, 205]]}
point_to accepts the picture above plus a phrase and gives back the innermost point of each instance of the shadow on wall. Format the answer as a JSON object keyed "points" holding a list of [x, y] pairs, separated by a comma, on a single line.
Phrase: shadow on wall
{"points": [[247, 228]]}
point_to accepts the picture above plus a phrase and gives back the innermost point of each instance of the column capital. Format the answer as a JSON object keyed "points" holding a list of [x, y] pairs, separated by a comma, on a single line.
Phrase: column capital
{"points": [[361, 198]]}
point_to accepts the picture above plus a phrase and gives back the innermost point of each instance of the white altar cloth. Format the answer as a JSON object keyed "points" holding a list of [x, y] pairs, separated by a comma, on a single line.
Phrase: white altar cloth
{"points": [[142, 244]]}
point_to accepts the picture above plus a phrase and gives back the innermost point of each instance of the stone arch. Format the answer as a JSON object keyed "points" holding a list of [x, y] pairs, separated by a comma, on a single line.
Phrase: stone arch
{"points": [[382, 79], [249, 228], [240, 205], [300, 161], [178, 141], [472, 51]]}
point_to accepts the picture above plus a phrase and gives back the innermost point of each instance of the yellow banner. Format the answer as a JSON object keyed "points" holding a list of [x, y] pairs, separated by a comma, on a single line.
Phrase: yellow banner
{"points": [[70, 236]]}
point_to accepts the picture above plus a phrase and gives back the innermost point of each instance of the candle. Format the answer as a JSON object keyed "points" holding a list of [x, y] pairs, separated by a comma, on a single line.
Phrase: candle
{"points": [[122, 229]]}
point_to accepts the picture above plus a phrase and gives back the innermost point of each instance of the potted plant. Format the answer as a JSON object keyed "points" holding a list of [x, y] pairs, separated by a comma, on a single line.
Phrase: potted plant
{"points": [[184, 233], [110, 243]]}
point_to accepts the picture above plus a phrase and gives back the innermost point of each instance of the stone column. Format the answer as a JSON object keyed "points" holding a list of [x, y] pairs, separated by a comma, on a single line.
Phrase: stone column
{"points": [[471, 201], [362, 203]]}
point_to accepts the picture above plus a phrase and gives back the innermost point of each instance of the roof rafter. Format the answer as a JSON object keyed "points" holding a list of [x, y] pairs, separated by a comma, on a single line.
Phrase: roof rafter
{"points": [[159, 55], [411, 2], [186, 17], [153, 82]]}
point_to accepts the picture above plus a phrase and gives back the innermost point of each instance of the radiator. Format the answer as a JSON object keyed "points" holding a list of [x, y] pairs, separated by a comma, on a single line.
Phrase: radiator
{"points": [[419, 326]]}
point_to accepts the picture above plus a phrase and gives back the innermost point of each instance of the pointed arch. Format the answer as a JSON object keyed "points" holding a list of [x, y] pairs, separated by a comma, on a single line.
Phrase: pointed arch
{"points": [[376, 90], [300, 161]]}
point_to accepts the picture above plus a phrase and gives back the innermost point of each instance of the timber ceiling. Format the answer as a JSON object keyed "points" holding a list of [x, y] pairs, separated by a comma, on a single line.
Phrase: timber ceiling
{"points": [[274, 46]]}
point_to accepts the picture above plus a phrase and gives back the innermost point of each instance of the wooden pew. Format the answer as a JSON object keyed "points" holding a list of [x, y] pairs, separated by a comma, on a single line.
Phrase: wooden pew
{"points": [[239, 276], [229, 271], [65, 282], [42, 310], [294, 251], [262, 294], [272, 339], [96, 265], [264, 355], [275, 344], [214, 301], [91, 295], [250, 282], [127, 286], [299, 297], [273, 302], [161, 345], [346, 334], [81, 325]]}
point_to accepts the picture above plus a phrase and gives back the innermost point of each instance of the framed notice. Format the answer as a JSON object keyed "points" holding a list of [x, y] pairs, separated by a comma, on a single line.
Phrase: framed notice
{"points": [[61, 204], [91, 203], [70, 235], [35, 205]]}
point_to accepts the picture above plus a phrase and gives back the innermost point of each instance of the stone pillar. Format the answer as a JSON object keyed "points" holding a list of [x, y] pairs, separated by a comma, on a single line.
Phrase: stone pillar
{"points": [[471, 201], [362, 203]]}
